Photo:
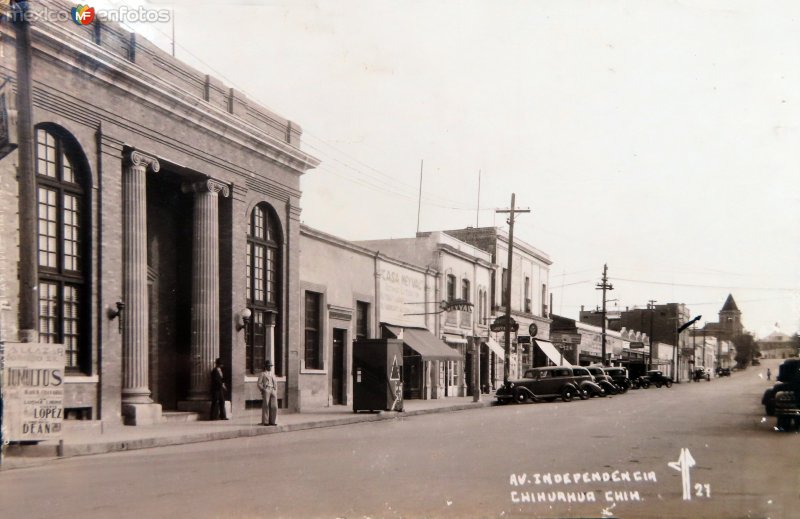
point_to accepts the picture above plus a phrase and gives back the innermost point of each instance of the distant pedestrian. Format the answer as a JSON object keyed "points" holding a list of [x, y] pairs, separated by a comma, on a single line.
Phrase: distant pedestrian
{"points": [[769, 374], [218, 390], [269, 395]]}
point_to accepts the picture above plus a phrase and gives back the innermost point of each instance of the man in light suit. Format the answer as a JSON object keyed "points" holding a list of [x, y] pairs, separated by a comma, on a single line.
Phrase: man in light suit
{"points": [[269, 395]]}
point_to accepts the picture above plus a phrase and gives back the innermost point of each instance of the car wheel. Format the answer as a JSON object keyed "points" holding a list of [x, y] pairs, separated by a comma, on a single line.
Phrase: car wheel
{"points": [[520, 395], [668, 383], [658, 385], [783, 423], [567, 393], [622, 389], [584, 394]]}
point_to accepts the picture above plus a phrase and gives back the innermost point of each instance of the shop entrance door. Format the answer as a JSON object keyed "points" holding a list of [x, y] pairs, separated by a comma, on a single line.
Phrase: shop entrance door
{"points": [[337, 375]]}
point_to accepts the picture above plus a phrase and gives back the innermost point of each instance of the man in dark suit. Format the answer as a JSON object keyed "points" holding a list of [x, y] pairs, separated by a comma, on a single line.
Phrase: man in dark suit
{"points": [[218, 390]]}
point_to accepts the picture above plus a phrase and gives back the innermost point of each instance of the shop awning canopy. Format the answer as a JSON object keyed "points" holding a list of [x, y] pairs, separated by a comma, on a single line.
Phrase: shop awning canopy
{"points": [[551, 352], [425, 343], [496, 348]]}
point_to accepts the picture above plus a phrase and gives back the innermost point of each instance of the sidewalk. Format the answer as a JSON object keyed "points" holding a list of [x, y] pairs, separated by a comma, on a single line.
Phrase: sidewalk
{"points": [[79, 440]]}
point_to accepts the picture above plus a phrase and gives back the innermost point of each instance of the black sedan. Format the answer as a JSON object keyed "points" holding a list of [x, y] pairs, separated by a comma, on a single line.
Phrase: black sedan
{"points": [[658, 379]]}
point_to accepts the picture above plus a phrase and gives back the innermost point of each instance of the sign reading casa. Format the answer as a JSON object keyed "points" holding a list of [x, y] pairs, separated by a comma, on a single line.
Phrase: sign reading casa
{"points": [[33, 391]]}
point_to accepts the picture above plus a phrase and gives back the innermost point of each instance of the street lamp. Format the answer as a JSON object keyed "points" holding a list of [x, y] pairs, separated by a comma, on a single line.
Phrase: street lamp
{"points": [[678, 330]]}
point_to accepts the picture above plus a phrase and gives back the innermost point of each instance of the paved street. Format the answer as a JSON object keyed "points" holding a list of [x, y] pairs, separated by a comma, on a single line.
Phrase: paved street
{"points": [[461, 464]]}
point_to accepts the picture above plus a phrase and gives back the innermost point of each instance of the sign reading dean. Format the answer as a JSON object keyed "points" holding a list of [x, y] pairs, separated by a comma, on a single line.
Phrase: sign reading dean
{"points": [[33, 391]]}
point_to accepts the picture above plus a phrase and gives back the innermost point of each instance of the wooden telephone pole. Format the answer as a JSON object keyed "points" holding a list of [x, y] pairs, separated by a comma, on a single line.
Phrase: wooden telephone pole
{"points": [[507, 300], [604, 286]]}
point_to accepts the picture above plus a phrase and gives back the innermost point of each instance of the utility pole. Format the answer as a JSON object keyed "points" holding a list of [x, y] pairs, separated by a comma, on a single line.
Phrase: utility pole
{"points": [[419, 200], [704, 347], [478, 210], [652, 306], [694, 350], [512, 213], [604, 286]]}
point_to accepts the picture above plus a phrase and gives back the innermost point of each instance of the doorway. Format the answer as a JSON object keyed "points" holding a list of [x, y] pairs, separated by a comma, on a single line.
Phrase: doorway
{"points": [[338, 391]]}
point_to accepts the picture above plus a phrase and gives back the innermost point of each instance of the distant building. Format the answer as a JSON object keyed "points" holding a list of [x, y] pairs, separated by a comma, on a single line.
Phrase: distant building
{"points": [[724, 330], [730, 321], [581, 343], [777, 345], [659, 322]]}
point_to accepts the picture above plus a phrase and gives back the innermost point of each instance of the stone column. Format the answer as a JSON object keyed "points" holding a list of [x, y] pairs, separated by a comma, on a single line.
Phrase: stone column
{"points": [[205, 287], [269, 337], [137, 406]]}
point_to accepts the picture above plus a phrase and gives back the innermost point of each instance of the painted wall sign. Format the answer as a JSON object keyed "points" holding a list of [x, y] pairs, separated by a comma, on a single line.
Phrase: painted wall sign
{"points": [[402, 292], [33, 391]]}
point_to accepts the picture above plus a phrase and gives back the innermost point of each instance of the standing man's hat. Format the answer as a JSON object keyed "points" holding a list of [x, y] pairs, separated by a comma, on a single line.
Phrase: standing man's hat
{"points": [[218, 361], [268, 364]]}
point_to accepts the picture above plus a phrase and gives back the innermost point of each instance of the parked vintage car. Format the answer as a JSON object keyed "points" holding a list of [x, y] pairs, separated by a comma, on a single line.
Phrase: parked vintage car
{"points": [[620, 377], [701, 373], [603, 380], [657, 378], [723, 372], [588, 387], [544, 384], [783, 399]]}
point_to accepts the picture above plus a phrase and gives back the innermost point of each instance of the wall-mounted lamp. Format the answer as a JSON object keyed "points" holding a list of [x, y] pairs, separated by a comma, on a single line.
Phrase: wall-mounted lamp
{"points": [[113, 314], [245, 315]]}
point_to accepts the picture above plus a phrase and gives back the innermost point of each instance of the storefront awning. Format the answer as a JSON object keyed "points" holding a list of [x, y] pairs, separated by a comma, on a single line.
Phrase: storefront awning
{"points": [[496, 348], [551, 352], [425, 343]]}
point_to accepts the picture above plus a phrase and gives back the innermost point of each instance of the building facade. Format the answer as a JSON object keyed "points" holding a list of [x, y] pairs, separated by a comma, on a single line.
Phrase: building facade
{"points": [[352, 292], [530, 299], [778, 345], [466, 273], [163, 208]]}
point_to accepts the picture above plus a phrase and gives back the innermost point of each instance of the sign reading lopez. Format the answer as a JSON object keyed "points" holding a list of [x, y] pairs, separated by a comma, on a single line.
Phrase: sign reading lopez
{"points": [[33, 391]]}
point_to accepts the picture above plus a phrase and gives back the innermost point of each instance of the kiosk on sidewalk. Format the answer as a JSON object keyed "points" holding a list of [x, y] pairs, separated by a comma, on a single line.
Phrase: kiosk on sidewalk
{"points": [[378, 375]]}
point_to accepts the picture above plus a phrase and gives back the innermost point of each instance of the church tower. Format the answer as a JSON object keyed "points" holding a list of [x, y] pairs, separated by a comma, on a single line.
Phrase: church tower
{"points": [[730, 317]]}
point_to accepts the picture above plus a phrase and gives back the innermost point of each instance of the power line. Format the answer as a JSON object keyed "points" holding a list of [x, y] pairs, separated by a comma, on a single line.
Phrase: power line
{"points": [[774, 289]]}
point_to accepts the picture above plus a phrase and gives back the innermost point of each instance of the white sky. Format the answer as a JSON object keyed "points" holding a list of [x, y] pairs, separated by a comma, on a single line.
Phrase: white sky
{"points": [[660, 137]]}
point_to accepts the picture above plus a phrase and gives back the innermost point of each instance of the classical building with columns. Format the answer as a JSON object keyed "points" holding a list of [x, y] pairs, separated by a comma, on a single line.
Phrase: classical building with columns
{"points": [[149, 221]]}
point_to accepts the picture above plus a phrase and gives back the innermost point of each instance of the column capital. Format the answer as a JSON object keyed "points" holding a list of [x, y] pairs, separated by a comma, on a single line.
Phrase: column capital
{"points": [[137, 158], [208, 185]]}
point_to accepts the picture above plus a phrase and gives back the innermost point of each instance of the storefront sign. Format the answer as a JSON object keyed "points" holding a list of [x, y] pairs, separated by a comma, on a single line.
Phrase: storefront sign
{"points": [[403, 298], [566, 338], [33, 391], [500, 324]]}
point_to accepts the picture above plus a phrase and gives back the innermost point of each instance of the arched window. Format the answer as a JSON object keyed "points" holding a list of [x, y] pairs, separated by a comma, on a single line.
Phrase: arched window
{"points": [[264, 242], [63, 223]]}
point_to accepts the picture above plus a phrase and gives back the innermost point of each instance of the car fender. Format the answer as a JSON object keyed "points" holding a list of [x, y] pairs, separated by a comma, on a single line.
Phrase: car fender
{"points": [[608, 386], [527, 390], [589, 385]]}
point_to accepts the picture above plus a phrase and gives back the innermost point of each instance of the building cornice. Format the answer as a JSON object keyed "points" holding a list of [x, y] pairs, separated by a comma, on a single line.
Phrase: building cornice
{"points": [[341, 242], [63, 46]]}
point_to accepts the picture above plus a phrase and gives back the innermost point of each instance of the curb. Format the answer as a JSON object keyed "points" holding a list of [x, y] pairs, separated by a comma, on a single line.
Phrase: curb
{"points": [[65, 450]]}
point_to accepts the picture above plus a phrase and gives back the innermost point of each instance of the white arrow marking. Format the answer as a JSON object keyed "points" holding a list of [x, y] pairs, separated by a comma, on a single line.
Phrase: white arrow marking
{"points": [[684, 463]]}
